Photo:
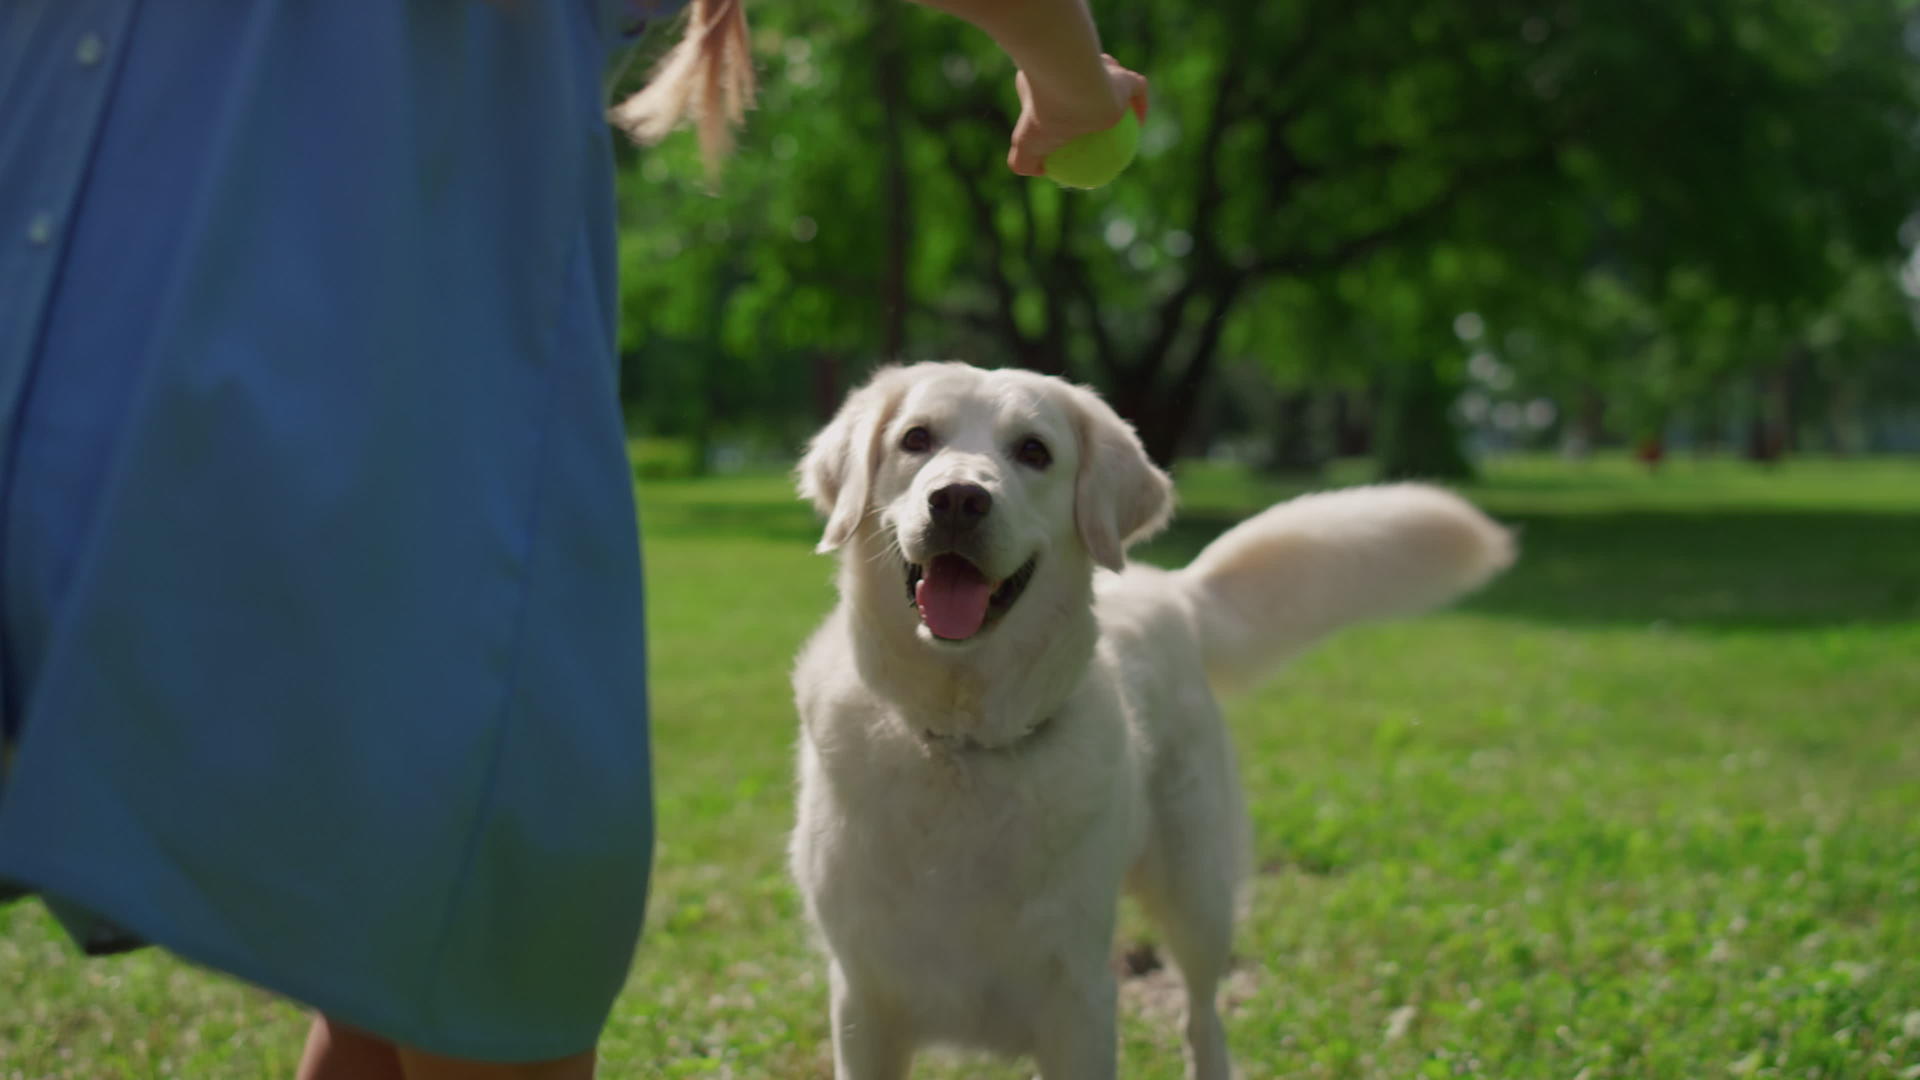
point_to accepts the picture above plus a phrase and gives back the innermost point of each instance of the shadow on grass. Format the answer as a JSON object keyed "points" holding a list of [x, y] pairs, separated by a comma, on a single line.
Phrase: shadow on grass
{"points": [[1719, 570]]}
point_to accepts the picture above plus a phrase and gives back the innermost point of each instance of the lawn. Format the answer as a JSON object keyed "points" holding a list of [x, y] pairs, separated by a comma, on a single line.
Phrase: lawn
{"points": [[1648, 807]]}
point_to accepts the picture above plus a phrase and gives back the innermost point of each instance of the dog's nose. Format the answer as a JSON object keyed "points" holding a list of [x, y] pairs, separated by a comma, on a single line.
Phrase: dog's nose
{"points": [[959, 505]]}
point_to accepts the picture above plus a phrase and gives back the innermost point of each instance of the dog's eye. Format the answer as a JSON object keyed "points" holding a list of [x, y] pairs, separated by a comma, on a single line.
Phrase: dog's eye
{"points": [[917, 440], [1033, 453]]}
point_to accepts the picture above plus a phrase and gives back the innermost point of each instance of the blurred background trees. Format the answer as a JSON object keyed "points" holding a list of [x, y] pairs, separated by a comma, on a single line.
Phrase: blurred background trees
{"points": [[1412, 230]]}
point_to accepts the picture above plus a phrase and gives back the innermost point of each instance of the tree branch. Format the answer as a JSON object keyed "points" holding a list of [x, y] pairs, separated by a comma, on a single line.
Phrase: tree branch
{"points": [[1053, 335], [997, 280], [1366, 243], [890, 82], [1204, 261], [1076, 282], [1200, 361]]}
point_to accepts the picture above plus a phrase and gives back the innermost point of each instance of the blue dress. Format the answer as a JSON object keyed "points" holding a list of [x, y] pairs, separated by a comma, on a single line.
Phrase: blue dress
{"points": [[319, 579]]}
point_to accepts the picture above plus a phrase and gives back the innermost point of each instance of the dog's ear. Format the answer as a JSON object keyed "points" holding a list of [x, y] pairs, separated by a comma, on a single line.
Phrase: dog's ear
{"points": [[837, 472], [1120, 496]]}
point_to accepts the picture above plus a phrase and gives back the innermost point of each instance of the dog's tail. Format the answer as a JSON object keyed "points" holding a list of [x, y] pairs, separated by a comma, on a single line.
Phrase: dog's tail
{"points": [[1274, 584]]}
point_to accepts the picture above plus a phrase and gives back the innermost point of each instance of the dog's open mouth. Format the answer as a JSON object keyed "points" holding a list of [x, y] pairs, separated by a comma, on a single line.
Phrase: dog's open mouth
{"points": [[956, 601]]}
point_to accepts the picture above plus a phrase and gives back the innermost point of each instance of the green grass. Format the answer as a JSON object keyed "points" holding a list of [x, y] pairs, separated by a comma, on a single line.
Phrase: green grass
{"points": [[1648, 807]]}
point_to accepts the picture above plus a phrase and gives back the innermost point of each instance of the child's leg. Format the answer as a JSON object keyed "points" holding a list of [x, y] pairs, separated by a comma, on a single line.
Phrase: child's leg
{"points": [[338, 1052], [423, 1066]]}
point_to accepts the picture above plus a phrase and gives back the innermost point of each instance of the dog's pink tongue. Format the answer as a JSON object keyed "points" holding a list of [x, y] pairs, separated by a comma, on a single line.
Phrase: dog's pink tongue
{"points": [[952, 597]]}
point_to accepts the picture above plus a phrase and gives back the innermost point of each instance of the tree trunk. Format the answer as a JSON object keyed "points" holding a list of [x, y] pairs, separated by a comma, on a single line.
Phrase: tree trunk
{"points": [[890, 75], [1352, 424], [1417, 435], [827, 386], [1843, 414], [1587, 426], [1769, 435], [1158, 418], [1296, 444]]}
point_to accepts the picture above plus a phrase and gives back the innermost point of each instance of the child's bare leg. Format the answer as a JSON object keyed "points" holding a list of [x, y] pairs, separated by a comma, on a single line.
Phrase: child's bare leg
{"points": [[337, 1052], [423, 1066]]}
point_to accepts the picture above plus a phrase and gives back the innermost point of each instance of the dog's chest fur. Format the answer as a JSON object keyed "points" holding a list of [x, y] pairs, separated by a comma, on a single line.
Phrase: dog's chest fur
{"points": [[957, 876]]}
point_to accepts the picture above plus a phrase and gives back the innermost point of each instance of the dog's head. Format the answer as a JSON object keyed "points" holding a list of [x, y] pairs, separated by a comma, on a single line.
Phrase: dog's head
{"points": [[971, 483]]}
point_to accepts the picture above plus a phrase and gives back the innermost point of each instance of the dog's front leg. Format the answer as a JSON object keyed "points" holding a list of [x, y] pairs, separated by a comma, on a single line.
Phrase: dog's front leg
{"points": [[1076, 1038], [869, 1041]]}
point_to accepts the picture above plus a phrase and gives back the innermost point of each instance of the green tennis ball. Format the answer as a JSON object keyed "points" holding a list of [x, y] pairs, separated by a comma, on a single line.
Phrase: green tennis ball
{"points": [[1092, 161]]}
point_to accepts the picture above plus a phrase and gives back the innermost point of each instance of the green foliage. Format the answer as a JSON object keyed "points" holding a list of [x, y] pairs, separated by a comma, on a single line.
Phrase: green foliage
{"points": [[1646, 808], [1322, 187]]}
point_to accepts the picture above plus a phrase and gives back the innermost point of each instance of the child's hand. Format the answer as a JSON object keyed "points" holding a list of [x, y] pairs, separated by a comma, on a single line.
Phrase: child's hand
{"points": [[1049, 121]]}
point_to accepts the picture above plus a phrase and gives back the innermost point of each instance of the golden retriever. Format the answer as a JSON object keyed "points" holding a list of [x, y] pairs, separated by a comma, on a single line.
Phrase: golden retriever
{"points": [[1004, 723]]}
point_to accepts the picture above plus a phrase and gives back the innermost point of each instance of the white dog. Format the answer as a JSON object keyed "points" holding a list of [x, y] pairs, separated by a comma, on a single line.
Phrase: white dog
{"points": [[996, 739]]}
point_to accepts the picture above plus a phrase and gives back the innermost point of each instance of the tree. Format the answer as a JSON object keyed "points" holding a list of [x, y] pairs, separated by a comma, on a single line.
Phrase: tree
{"points": [[1472, 152]]}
